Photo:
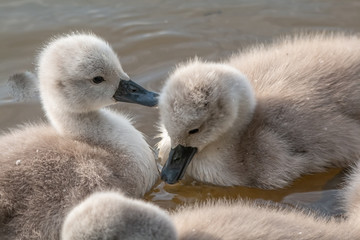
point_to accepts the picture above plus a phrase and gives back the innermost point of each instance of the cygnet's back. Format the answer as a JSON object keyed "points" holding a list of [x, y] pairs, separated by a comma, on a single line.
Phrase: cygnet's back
{"points": [[245, 220], [48, 168]]}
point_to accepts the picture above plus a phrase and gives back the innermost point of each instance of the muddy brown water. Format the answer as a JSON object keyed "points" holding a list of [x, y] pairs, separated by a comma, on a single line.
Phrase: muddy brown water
{"points": [[151, 37]]}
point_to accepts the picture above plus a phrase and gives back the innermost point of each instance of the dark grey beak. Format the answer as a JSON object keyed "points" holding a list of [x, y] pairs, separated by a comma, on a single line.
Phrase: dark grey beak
{"points": [[129, 91], [175, 167]]}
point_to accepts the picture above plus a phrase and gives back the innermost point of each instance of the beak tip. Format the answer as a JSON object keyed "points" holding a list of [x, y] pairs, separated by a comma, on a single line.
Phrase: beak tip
{"points": [[175, 167], [154, 104], [163, 177], [156, 99], [166, 179], [141, 96]]}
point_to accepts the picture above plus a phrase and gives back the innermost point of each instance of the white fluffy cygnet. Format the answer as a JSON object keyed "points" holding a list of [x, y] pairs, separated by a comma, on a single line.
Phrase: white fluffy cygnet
{"points": [[265, 116], [48, 168]]}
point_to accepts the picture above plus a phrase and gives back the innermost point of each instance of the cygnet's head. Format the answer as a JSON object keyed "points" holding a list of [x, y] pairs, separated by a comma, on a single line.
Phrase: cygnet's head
{"points": [[81, 73], [199, 103], [110, 215]]}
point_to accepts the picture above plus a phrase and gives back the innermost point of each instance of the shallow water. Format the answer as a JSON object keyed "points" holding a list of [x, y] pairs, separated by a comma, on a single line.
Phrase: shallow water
{"points": [[151, 37]]}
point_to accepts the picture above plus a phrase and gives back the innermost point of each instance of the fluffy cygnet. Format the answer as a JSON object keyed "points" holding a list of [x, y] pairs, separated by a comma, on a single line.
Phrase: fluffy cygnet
{"points": [[266, 115], [113, 216], [48, 168]]}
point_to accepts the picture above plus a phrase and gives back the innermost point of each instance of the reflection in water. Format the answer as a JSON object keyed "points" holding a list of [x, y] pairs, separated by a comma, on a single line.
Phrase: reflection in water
{"points": [[151, 37]]}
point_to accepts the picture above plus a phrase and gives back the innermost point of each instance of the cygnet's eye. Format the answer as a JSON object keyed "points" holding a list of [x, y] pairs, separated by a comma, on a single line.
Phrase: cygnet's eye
{"points": [[98, 79], [193, 131]]}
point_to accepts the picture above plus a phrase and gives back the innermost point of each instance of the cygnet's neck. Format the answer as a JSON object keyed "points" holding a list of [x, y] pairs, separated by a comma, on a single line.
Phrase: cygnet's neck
{"points": [[107, 129], [246, 103], [94, 127]]}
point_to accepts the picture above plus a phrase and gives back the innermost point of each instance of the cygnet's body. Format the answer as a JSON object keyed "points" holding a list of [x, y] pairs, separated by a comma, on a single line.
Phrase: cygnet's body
{"points": [[213, 220], [48, 168], [265, 116]]}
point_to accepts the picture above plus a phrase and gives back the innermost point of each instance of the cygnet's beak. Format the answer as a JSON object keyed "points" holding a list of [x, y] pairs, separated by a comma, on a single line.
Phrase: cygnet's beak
{"points": [[175, 167], [129, 91]]}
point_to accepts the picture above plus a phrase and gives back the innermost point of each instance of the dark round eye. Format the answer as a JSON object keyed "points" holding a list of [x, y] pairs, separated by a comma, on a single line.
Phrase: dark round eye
{"points": [[98, 79], [193, 131]]}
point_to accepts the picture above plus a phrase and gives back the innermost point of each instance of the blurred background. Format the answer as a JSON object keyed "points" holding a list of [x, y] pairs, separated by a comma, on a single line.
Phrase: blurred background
{"points": [[151, 37]]}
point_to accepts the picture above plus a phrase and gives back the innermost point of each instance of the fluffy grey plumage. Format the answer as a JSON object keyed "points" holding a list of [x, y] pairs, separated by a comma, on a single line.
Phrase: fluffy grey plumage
{"points": [[269, 114], [113, 216]]}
